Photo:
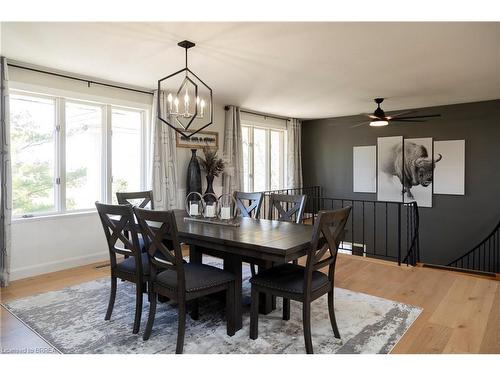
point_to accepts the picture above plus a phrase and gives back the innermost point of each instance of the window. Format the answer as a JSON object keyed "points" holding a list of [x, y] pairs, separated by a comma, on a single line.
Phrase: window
{"points": [[263, 155], [127, 151], [33, 139], [62, 158], [84, 127]]}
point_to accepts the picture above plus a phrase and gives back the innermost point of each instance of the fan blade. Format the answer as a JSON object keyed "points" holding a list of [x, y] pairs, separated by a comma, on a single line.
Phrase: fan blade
{"points": [[360, 124], [406, 120], [413, 117], [402, 113]]}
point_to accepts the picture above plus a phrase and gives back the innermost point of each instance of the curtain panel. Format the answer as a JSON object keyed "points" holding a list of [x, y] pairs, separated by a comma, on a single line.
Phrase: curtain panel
{"points": [[232, 179], [294, 154], [163, 159], [5, 176]]}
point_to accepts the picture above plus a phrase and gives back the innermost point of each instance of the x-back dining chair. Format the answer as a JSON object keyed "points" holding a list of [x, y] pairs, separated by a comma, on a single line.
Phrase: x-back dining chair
{"points": [[127, 197], [288, 207], [179, 281], [116, 219], [137, 198], [252, 209], [305, 284], [254, 203]]}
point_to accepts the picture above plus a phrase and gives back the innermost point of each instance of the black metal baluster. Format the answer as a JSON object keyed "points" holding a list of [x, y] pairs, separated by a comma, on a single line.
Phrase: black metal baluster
{"points": [[386, 229], [364, 243], [399, 234], [374, 228], [352, 225]]}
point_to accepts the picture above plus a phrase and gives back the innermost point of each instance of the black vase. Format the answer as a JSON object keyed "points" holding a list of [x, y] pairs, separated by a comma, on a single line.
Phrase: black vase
{"points": [[210, 189], [193, 182]]}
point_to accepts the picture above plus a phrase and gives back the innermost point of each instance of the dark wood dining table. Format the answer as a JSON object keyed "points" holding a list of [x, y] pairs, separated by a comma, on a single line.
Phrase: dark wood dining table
{"points": [[260, 241], [265, 242]]}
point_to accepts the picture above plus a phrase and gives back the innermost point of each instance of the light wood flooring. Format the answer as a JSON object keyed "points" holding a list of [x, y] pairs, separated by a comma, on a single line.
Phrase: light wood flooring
{"points": [[461, 312]]}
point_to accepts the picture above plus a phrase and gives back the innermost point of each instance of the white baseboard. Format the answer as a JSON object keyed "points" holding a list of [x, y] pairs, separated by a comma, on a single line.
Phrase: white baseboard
{"points": [[39, 269]]}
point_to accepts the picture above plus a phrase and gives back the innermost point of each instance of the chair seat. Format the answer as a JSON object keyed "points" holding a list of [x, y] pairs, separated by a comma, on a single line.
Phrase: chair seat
{"points": [[288, 278], [128, 265], [198, 277]]}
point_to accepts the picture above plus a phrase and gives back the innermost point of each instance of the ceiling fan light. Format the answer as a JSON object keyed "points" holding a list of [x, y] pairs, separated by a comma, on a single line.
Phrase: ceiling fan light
{"points": [[379, 123]]}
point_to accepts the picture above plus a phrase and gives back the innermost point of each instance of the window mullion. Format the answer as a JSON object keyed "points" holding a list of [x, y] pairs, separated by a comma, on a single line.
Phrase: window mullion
{"points": [[107, 177], [268, 159], [250, 161], [61, 154]]}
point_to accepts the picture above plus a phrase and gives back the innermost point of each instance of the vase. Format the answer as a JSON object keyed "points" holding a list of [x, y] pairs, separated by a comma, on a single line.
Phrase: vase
{"points": [[210, 190], [193, 182]]}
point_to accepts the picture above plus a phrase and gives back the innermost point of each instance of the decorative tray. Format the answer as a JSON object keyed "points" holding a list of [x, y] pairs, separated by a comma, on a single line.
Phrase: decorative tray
{"points": [[228, 223]]}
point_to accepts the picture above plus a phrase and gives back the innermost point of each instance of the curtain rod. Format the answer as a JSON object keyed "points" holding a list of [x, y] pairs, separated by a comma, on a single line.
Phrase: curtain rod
{"points": [[260, 114], [89, 81]]}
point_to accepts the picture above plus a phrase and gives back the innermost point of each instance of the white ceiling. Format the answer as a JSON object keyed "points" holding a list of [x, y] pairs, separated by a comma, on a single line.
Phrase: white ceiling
{"points": [[305, 70]]}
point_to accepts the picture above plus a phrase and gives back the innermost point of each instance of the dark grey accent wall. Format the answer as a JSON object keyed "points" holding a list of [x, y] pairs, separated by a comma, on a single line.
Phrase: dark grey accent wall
{"points": [[455, 223]]}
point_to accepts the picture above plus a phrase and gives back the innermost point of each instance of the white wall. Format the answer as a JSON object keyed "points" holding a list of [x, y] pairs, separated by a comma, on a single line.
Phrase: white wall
{"points": [[41, 245]]}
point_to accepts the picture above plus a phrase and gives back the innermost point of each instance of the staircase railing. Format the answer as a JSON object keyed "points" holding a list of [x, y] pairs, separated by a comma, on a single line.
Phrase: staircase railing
{"points": [[377, 229], [484, 257]]}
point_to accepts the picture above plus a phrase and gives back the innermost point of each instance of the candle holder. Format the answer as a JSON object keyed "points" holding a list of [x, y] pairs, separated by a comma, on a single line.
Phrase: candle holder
{"points": [[227, 207], [194, 204], [211, 206]]}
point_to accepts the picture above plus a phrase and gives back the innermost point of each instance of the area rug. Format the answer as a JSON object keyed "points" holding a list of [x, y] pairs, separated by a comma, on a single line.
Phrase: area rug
{"points": [[72, 320]]}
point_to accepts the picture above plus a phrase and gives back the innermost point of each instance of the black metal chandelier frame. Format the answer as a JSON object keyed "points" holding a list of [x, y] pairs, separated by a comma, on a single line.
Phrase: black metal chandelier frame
{"points": [[186, 44]]}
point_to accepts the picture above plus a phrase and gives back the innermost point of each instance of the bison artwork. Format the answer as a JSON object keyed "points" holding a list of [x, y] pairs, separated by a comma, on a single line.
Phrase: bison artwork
{"points": [[414, 168]]}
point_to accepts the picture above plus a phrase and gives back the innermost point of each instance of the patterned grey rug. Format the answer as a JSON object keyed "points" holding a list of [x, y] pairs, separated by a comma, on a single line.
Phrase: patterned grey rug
{"points": [[72, 320]]}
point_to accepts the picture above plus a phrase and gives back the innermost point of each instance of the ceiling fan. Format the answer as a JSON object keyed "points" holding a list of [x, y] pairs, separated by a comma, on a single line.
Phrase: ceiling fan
{"points": [[379, 118]]}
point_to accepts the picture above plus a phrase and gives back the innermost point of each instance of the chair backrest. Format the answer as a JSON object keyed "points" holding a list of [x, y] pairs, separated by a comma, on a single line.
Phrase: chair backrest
{"points": [[328, 231], [117, 221], [128, 196], [288, 207], [156, 226], [254, 203]]}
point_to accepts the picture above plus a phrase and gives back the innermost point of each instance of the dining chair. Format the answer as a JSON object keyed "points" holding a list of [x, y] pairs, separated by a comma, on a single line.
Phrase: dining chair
{"points": [[137, 198], [179, 281], [127, 197], [116, 219], [249, 205], [305, 284], [254, 201], [288, 207]]}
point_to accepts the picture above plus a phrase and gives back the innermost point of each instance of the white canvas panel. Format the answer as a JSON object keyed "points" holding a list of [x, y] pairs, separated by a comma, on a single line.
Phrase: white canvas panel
{"points": [[364, 169], [449, 174]]}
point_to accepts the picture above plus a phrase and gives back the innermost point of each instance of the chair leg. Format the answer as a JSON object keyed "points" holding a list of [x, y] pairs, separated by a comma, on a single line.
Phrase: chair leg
{"points": [[254, 314], [331, 310], [306, 321], [138, 308], [195, 310], [286, 309], [151, 317], [112, 297], [252, 269], [295, 261], [181, 330], [230, 310]]}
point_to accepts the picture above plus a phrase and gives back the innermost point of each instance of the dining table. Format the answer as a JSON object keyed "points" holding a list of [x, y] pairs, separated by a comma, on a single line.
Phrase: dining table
{"points": [[259, 241]]}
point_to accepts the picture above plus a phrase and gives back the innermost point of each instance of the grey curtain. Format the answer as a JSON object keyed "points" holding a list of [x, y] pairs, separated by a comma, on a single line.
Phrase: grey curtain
{"points": [[5, 176], [294, 156], [164, 160], [232, 179]]}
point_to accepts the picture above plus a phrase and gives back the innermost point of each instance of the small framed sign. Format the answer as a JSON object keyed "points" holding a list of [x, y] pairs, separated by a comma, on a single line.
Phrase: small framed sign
{"points": [[199, 140]]}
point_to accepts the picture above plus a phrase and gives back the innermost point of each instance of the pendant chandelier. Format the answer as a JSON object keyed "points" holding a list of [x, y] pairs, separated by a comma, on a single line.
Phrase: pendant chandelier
{"points": [[189, 104]]}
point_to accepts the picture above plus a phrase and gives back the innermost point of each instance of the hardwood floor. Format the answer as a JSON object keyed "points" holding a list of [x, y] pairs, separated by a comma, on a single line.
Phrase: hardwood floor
{"points": [[461, 312]]}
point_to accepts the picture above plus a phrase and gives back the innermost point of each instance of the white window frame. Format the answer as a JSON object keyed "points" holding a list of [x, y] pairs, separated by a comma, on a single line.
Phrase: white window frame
{"points": [[106, 159], [251, 125]]}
